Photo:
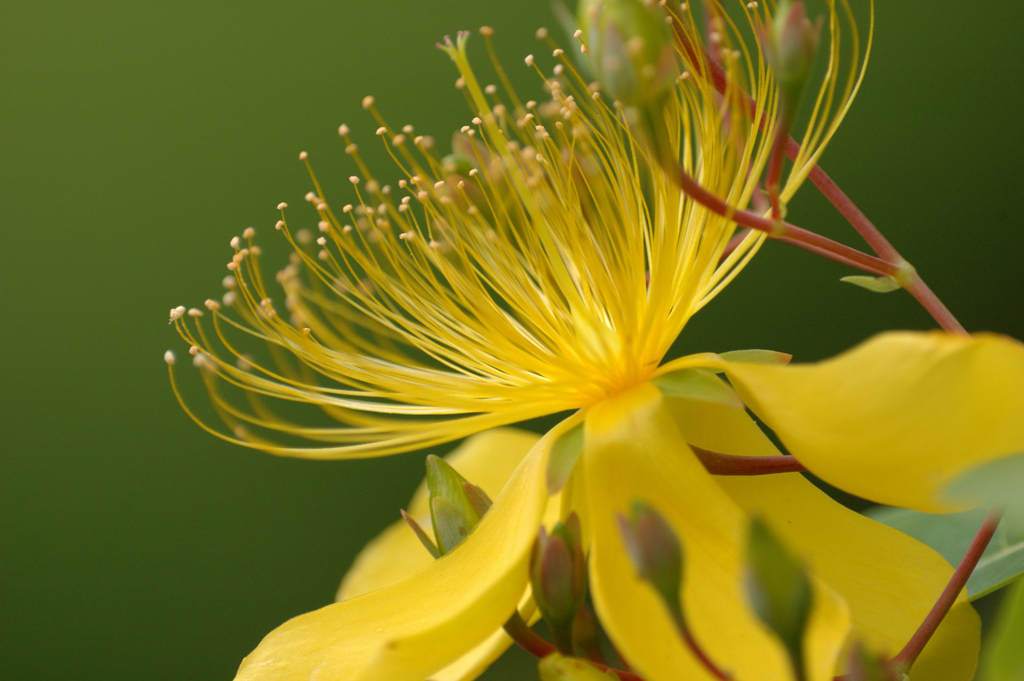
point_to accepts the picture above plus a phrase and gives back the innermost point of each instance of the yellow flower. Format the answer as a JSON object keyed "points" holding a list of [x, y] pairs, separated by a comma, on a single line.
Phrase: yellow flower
{"points": [[547, 266]]}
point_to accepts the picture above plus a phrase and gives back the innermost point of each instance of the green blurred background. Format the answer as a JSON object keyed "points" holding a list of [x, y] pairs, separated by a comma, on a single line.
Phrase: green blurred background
{"points": [[137, 138]]}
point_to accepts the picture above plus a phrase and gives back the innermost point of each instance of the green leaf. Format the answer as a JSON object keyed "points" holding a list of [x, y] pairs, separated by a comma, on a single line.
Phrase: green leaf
{"points": [[1003, 658], [875, 284], [998, 483], [698, 384], [563, 457], [951, 534], [756, 357]]}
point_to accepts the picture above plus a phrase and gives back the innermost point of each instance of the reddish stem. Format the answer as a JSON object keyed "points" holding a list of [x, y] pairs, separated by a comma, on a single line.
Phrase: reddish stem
{"points": [[725, 464], [784, 231], [713, 71], [906, 658], [539, 647]]}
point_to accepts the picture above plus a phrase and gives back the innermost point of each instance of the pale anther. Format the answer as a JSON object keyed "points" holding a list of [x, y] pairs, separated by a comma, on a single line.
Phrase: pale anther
{"points": [[169, 357]]}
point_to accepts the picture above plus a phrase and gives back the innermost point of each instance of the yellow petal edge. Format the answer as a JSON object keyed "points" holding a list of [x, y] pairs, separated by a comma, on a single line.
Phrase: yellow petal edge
{"points": [[898, 417], [413, 628]]}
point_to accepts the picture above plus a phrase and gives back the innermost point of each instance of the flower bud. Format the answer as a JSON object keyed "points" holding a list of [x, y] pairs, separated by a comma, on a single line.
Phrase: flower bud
{"points": [[792, 43], [779, 589], [655, 552], [631, 46], [558, 574], [452, 511]]}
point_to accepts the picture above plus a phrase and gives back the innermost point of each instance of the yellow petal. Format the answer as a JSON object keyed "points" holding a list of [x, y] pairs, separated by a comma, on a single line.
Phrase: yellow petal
{"points": [[487, 460], [826, 633], [633, 450], [889, 580], [898, 417], [411, 629]]}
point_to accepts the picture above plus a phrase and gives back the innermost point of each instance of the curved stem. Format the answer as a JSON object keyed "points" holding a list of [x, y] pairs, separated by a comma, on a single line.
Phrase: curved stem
{"points": [[906, 658], [713, 71], [536, 645], [783, 231], [725, 464]]}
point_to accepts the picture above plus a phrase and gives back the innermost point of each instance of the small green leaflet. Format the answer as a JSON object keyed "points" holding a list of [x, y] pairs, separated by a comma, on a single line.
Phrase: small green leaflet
{"points": [[876, 284], [951, 534], [563, 457], [698, 384]]}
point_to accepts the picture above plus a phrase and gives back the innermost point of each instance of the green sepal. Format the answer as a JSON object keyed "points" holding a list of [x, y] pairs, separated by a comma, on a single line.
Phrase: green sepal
{"points": [[478, 497], [562, 458], [698, 384], [875, 284], [756, 357], [421, 534], [449, 524], [557, 667], [445, 483], [778, 589]]}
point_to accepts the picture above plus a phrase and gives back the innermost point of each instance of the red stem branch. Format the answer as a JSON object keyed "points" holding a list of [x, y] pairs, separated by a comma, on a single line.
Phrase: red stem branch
{"points": [[713, 71], [725, 464], [906, 658], [784, 231]]}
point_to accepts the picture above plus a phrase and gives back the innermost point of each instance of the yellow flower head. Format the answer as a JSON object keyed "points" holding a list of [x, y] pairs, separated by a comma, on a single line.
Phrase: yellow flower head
{"points": [[546, 263]]}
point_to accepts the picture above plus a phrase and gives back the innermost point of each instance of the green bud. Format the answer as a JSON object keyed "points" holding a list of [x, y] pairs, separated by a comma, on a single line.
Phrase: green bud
{"points": [[454, 164], [655, 552], [631, 45], [558, 575], [452, 511], [793, 41], [779, 590], [557, 667]]}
